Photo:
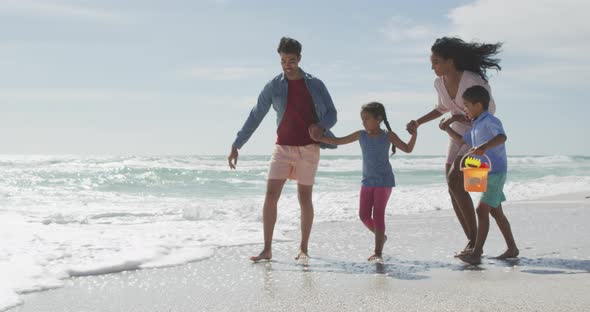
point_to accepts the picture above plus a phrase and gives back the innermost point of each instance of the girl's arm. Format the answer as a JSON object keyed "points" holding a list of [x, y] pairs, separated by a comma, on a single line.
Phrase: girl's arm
{"points": [[397, 142], [339, 141]]}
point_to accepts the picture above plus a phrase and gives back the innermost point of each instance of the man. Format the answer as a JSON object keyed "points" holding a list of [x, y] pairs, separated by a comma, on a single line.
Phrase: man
{"points": [[304, 108]]}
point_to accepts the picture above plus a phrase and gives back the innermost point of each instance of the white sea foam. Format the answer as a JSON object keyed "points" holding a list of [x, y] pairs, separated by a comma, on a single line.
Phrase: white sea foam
{"points": [[63, 216]]}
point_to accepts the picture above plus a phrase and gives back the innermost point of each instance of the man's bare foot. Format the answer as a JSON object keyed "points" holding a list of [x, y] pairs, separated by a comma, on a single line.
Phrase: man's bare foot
{"points": [[471, 258], [510, 253], [302, 256], [376, 257], [263, 256]]}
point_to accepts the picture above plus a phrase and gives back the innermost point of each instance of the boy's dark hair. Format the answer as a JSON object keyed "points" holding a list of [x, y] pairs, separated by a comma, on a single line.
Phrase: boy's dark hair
{"points": [[377, 110], [289, 46], [478, 94]]}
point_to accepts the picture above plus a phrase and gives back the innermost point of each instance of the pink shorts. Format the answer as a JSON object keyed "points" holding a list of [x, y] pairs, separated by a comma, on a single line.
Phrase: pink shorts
{"points": [[295, 162]]}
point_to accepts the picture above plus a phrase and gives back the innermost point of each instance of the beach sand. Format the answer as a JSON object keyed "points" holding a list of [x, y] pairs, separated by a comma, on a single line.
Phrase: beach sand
{"points": [[419, 272]]}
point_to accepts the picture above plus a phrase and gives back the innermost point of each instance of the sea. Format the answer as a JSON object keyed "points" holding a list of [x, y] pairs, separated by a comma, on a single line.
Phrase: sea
{"points": [[66, 216]]}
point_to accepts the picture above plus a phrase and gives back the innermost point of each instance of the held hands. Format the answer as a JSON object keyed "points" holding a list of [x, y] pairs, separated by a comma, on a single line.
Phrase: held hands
{"points": [[316, 132], [412, 126], [232, 159], [445, 123]]}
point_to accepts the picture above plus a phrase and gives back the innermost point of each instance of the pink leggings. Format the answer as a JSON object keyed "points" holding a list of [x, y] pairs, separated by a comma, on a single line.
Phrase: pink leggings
{"points": [[373, 202]]}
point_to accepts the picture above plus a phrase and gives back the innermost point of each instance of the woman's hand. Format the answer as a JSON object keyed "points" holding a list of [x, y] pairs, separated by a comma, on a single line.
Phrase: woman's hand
{"points": [[412, 126], [445, 123]]}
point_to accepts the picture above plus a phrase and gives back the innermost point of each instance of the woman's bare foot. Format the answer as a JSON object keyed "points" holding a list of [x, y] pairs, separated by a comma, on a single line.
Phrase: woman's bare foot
{"points": [[471, 258], [467, 250], [265, 255], [375, 257], [510, 253], [302, 256]]}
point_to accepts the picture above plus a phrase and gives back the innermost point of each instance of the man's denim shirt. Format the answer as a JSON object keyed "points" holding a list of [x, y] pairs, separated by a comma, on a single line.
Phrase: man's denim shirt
{"points": [[275, 94]]}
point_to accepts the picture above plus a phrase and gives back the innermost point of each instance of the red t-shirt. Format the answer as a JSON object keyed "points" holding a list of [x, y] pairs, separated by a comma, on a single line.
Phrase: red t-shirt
{"points": [[299, 115]]}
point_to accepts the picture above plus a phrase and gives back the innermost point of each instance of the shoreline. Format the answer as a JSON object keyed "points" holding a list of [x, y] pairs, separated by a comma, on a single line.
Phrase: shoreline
{"points": [[419, 272]]}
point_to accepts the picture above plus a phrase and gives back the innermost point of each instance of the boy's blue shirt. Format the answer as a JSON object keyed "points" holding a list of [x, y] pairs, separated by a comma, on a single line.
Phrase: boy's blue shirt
{"points": [[275, 94], [485, 128]]}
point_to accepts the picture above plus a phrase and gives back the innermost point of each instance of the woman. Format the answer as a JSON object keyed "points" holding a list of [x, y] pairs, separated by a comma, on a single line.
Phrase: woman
{"points": [[459, 65]]}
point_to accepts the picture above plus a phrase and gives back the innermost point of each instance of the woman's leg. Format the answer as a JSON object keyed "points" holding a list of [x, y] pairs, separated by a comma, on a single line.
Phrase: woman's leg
{"points": [[461, 200]]}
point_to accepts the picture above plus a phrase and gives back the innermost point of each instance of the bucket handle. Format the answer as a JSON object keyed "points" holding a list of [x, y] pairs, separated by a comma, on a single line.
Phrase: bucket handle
{"points": [[462, 163]]}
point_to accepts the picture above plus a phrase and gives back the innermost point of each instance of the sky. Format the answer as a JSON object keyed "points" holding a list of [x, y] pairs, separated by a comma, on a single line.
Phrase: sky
{"points": [[180, 77]]}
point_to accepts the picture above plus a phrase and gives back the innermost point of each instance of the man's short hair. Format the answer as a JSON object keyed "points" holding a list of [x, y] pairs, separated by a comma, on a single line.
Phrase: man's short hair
{"points": [[289, 46]]}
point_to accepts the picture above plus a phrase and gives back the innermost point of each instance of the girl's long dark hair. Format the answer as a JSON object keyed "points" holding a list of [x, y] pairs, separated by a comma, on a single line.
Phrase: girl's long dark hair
{"points": [[471, 56], [377, 110]]}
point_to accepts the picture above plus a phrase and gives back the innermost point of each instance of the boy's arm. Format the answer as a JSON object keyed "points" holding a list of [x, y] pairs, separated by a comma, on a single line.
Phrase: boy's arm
{"points": [[495, 141], [452, 133], [339, 141], [448, 121], [397, 142]]}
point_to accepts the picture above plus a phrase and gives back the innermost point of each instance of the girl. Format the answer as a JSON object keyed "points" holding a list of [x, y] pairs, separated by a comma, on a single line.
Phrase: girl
{"points": [[378, 176], [459, 65]]}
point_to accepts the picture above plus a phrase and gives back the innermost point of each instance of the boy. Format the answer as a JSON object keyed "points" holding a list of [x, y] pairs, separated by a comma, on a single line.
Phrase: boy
{"points": [[486, 136]]}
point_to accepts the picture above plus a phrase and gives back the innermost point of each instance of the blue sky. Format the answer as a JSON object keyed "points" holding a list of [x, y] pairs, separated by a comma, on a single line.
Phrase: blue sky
{"points": [[179, 77]]}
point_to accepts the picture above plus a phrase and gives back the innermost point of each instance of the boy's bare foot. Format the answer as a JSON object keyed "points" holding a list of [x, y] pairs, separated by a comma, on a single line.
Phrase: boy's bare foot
{"points": [[302, 256], [471, 258], [510, 253], [263, 256], [376, 258]]}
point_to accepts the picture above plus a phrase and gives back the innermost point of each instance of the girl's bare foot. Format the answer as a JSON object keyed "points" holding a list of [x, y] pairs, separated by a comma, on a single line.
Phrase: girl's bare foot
{"points": [[263, 256], [510, 253], [376, 257]]}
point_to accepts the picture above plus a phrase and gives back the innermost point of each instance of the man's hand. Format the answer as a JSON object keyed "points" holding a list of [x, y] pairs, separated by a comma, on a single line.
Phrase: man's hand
{"points": [[232, 159], [316, 131]]}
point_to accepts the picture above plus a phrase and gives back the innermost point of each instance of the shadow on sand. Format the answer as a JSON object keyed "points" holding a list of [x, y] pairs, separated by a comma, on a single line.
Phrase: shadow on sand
{"points": [[413, 270]]}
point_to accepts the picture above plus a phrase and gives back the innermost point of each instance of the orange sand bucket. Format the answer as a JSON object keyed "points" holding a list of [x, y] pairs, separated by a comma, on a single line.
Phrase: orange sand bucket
{"points": [[475, 172]]}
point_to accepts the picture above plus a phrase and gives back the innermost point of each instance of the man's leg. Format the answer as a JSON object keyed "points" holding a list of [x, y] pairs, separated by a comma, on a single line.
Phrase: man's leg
{"points": [[269, 216], [504, 225], [462, 202], [304, 193]]}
